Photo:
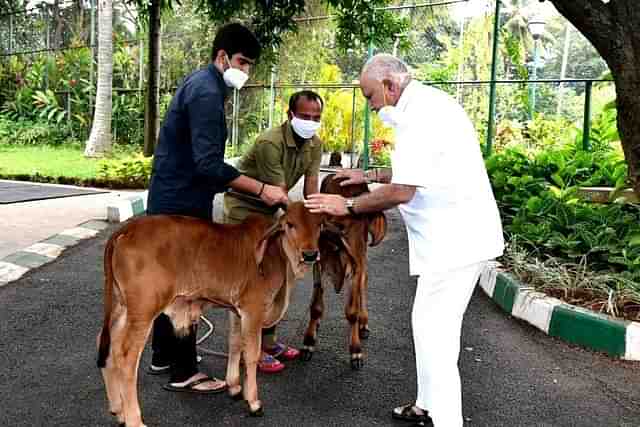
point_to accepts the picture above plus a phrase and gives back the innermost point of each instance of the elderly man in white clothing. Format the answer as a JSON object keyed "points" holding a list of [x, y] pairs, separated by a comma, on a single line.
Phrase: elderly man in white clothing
{"points": [[440, 185]]}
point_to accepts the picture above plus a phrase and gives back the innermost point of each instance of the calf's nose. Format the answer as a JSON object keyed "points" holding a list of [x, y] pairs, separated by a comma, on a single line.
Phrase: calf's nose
{"points": [[310, 257]]}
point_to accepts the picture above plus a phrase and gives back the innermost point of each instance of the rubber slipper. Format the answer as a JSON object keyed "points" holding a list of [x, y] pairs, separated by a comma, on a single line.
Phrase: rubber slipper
{"points": [[282, 351], [270, 365], [190, 388], [408, 413]]}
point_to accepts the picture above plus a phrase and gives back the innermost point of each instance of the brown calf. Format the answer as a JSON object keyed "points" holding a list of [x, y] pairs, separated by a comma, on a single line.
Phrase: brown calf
{"points": [[343, 256], [178, 265]]}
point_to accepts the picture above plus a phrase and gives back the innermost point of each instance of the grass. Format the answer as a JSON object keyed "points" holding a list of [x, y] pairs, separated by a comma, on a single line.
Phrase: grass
{"points": [[46, 160]]}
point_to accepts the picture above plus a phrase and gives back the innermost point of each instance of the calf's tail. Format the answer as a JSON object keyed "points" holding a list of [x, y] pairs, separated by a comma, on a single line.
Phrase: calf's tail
{"points": [[109, 284]]}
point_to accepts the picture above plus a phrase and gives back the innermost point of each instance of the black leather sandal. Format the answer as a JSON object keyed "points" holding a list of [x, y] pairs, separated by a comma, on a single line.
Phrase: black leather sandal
{"points": [[408, 413]]}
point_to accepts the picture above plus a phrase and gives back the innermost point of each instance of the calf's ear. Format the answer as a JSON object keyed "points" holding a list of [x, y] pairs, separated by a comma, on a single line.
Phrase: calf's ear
{"points": [[377, 227], [261, 246]]}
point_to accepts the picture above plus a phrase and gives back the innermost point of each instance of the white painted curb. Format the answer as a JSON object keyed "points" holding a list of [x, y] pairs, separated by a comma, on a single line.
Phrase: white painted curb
{"points": [[129, 207]]}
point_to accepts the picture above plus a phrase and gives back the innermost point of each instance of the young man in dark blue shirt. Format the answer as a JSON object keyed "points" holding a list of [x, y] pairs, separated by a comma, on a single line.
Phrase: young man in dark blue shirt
{"points": [[189, 169]]}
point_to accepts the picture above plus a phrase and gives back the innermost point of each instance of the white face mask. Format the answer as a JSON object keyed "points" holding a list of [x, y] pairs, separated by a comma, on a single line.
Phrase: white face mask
{"points": [[304, 128], [234, 77], [388, 114]]}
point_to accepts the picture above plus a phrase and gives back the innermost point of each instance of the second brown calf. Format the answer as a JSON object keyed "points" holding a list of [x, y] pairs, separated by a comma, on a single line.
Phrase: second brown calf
{"points": [[343, 259]]}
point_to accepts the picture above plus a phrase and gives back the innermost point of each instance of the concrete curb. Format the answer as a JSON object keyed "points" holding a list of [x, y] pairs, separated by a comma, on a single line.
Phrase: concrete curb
{"points": [[618, 338], [15, 265], [128, 207]]}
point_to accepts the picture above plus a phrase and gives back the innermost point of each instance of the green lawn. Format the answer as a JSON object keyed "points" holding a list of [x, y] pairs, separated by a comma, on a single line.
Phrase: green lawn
{"points": [[66, 161]]}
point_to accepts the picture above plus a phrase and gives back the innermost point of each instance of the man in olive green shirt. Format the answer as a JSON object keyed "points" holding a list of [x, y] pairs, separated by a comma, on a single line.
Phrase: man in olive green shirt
{"points": [[281, 156]]}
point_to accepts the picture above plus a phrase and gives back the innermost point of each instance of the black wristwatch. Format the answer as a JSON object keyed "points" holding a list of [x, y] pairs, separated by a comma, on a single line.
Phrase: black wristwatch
{"points": [[350, 204]]}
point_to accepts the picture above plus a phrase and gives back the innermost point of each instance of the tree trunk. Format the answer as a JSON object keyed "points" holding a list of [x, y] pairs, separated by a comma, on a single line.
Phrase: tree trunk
{"points": [[628, 91], [152, 121], [99, 142], [612, 28]]}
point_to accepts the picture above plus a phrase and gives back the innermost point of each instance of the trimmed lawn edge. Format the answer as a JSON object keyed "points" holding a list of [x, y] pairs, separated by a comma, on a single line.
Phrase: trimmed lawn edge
{"points": [[575, 325], [80, 182]]}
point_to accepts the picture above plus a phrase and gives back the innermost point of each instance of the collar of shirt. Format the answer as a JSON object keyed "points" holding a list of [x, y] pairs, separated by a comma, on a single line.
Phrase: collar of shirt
{"points": [[217, 76], [405, 97]]}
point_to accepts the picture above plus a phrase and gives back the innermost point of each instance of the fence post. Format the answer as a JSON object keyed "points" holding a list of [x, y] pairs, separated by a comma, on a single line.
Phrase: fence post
{"points": [[69, 108], [586, 128], [492, 86], [10, 34], [367, 112], [48, 46], [353, 124], [234, 121], [140, 65], [272, 98]]}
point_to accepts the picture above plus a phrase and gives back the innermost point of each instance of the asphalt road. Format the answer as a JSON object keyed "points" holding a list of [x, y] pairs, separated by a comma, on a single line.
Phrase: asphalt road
{"points": [[513, 375]]}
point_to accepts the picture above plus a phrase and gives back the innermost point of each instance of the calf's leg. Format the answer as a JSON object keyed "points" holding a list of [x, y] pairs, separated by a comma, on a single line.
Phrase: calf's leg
{"points": [[111, 373], [315, 312], [251, 326], [235, 354], [363, 317], [352, 313], [135, 336]]}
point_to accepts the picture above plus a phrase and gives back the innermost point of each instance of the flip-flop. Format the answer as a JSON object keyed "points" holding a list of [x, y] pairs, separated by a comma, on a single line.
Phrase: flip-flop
{"points": [[270, 365], [408, 413], [283, 351], [190, 388]]}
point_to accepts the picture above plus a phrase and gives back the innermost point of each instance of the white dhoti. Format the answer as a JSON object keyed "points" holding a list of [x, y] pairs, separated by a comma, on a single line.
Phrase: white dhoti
{"points": [[440, 302]]}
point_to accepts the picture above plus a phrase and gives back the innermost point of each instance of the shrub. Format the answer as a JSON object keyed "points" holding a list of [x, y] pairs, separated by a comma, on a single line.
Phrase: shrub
{"points": [[537, 196], [130, 172], [28, 132]]}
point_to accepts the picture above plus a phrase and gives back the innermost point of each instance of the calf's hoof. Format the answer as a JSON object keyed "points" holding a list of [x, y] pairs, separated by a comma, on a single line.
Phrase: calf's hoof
{"points": [[257, 413], [235, 392], [119, 418], [237, 397], [256, 410], [364, 333], [306, 354], [357, 362]]}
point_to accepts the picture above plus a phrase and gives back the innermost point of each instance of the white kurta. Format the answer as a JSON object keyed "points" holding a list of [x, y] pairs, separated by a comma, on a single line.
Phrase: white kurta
{"points": [[453, 227], [452, 221]]}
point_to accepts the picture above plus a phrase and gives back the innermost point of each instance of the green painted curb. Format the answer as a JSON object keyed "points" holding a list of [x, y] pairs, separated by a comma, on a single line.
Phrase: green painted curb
{"points": [[589, 329], [62, 240], [137, 206], [27, 259], [505, 292], [575, 325]]}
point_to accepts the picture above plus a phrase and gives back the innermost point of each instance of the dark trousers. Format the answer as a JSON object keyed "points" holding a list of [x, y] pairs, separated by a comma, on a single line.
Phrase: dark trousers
{"points": [[178, 352]]}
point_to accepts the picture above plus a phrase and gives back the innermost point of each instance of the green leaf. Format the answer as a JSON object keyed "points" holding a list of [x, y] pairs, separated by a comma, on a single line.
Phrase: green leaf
{"points": [[557, 179], [555, 191], [634, 240]]}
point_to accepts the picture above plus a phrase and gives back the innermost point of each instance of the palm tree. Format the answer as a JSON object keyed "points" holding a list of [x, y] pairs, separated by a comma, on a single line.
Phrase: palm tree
{"points": [[99, 142]]}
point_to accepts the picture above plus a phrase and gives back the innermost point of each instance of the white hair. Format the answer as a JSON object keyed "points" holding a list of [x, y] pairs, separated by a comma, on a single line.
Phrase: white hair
{"points": [[384, 66]]}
